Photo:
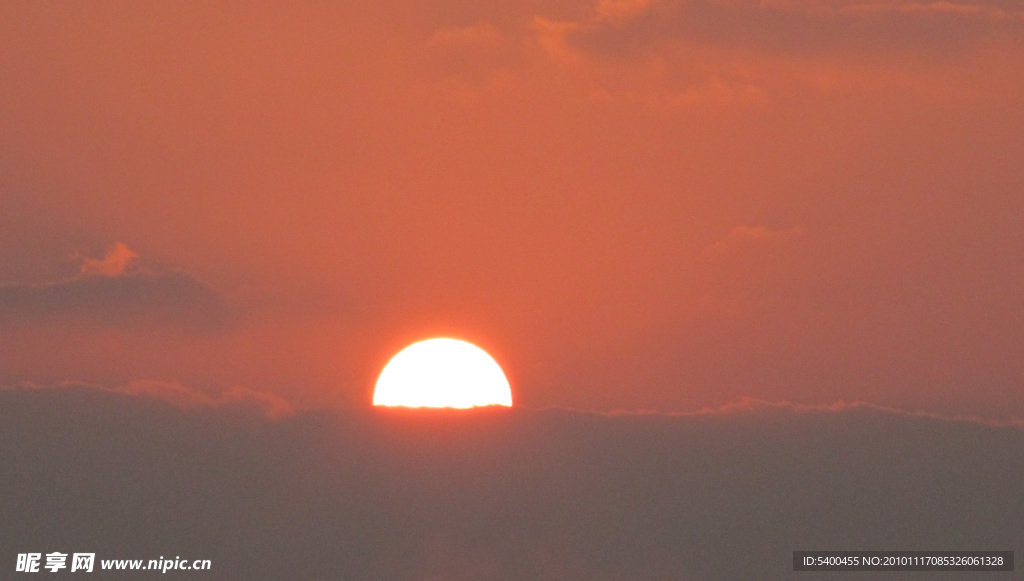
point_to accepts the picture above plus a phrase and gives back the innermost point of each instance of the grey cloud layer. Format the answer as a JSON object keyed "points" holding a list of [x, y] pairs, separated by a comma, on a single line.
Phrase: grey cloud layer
{"points": [[496, 494], [173, 300], [935, 28]]}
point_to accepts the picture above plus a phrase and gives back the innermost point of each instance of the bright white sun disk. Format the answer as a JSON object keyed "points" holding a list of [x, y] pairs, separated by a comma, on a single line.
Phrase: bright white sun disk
{"points": [[442, 373]]}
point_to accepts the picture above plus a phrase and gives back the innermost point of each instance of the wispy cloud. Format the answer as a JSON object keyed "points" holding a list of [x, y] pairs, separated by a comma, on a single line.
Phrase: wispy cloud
{"points": [[754, 405], [114, 263], [240, 398], [112, 292]]}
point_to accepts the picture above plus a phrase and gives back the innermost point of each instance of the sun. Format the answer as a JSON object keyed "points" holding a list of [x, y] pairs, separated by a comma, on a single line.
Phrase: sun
{"points": [[442, 373]]}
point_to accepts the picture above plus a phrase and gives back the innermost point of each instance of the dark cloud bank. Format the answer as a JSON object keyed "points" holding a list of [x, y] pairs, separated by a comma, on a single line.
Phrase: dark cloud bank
{"points": [[496, 494], [171, 300]]}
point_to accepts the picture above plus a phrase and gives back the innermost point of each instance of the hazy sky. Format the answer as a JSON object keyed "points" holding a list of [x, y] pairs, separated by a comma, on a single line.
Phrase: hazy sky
{"points": [[633, 204], [753, 269]]}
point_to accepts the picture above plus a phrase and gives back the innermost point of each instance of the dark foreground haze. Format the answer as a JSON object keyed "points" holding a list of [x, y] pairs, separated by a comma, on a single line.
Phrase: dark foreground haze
{"points": [[496, 494]]}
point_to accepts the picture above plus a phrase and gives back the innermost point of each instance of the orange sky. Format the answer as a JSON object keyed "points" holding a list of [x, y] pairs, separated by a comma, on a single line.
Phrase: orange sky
{"points": [[633, 204]]}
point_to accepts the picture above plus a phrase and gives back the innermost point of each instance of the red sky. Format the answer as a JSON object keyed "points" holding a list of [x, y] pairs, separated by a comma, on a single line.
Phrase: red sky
{"points": [[631, 204]]}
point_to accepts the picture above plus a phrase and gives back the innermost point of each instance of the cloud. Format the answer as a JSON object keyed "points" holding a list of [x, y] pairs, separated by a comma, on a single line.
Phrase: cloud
{"points": [[678, 54], [753, 405], [683, 53], [112, 292], [937, 28], [992, 13], [552, 37], [171, 300], [497, 495], [265, 403], [261, 403], [114, 263]]}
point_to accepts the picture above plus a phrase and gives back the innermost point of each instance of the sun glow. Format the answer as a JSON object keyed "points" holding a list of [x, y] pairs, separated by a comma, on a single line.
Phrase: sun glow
{"points": [[442, 373]]}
